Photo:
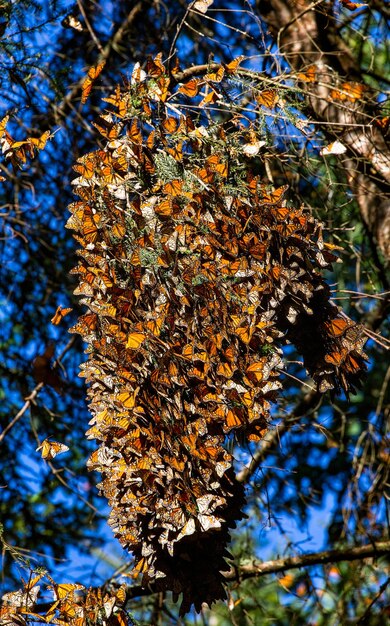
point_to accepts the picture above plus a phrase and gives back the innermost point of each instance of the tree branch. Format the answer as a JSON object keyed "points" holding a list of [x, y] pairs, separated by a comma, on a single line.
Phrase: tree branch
{"points": [[353, 553]]}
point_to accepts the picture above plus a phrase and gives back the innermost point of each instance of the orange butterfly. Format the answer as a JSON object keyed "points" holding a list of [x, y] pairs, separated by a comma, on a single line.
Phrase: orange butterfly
{"points": [[274, 197], [3, 124], [225, 370], [165, 208], [93, 73], [106, 127], [309, 76], [176, 151], [59, 315], [50, 449], [336, 357], [268, 98], [134, 132], [255, 371], [86, 324], [154, 67], [383, 123], [170, 124], [215, 163], [233, 419], [216, 76], [337, 327], [191, 88], [351, 6], [233, 65], [135, 340], [86, 165], [349, 91], [127, 399], [210, 98], [174, 187]]}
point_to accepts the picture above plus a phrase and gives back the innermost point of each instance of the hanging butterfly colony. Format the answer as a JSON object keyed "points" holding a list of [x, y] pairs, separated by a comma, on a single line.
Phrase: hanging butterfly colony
{"points": [[194, 274]]}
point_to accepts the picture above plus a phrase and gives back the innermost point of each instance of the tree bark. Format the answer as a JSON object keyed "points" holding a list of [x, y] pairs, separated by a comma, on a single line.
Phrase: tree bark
{"points": [[307, 35]]}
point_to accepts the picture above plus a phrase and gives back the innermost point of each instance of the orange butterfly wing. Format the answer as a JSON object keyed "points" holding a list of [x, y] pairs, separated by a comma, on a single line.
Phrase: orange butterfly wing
{"points": [[93, 73]]}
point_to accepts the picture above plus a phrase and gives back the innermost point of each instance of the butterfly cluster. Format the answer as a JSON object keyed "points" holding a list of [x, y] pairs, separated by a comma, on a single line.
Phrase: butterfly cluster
{"points": [[194, 273], [71, 604]]}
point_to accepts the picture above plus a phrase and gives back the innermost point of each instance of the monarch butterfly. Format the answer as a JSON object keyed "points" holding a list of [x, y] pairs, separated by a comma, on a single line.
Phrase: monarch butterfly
{"points": [[233, 419], [215, 163], [256, 433], [211, 97], [86, 87], [107, 128], [86, 165], [70, 21], [268, 98], [59, 315], [135, 340], [66, 590], [336, 357], [274, 197], [165, 208], [191, 88], [176, 152], [127, 399], [336, 147], [37, 142], [50, 449], [348, 92], [255, 371], [225, 370], [134, 131], [173, 188], [351, 6], [352, 364], [216, 76], [3, 124], [233, 65], [154, 67], [309, 76], [337, 326], [170, 124]]}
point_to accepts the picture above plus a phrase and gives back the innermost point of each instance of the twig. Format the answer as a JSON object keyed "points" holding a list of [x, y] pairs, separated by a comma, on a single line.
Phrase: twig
{"points": [[89, 27], [382, 588], [309, 403], [29, 399], [22, 411]]}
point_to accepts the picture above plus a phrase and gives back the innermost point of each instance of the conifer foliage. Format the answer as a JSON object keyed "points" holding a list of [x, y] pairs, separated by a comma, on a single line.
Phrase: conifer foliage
{"points": [[195, 273]]}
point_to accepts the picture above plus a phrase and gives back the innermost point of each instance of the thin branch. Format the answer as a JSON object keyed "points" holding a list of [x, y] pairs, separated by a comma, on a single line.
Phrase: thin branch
{"points": [[89, 27], [22, 411], [366, 614], [309, 403], [30, 399]]}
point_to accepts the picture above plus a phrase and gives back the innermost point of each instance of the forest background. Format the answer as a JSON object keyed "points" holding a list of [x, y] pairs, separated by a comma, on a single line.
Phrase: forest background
{"points": [[317, 482]]}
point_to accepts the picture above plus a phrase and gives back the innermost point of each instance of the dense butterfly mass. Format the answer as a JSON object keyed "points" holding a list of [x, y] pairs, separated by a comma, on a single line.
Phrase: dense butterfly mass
{"points": [[195, 273]]}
